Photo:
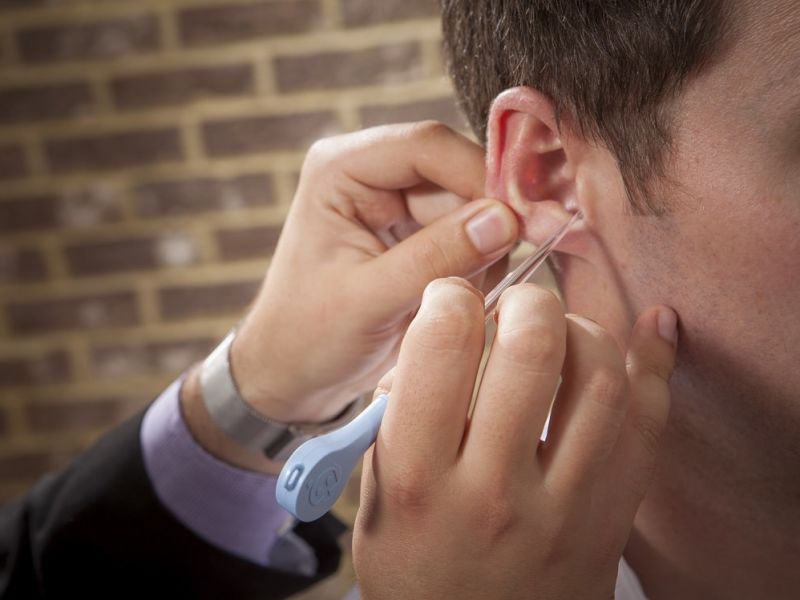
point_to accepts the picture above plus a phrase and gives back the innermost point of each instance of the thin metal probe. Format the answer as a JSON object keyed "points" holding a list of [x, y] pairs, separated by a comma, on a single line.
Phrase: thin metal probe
{"points": [[315, 475], [528, 266]]}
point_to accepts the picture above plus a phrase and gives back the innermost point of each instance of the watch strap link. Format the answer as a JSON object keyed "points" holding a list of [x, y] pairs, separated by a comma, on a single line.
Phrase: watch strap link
{"points": [[242, 423]]}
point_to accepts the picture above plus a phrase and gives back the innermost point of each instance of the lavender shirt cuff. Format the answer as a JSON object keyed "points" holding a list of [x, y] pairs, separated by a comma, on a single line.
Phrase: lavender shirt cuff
{"points": [[231, 508]]}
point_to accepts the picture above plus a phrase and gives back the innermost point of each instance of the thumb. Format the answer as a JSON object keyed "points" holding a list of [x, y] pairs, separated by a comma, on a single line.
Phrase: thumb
{"points": [[458, 244], [650, 361]]}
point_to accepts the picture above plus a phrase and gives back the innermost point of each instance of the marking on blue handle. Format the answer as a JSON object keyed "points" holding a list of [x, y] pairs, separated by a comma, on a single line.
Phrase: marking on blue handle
{"points": [[316, 473]]}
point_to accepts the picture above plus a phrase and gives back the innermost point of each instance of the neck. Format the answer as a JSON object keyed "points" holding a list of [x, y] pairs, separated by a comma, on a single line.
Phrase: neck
{"points": [[722, 518]]}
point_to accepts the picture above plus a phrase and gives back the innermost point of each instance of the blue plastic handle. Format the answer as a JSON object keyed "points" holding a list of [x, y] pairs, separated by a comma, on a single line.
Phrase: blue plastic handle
{"points": [[315, 474], [314, 477]]}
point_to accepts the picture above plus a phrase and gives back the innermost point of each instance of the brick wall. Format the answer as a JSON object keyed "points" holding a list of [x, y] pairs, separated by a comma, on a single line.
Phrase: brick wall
{"points": [[148, 155]]}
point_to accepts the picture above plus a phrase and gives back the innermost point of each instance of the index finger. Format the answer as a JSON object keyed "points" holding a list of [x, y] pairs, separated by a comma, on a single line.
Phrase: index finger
{"points": [[397, 157], [425, 420]]}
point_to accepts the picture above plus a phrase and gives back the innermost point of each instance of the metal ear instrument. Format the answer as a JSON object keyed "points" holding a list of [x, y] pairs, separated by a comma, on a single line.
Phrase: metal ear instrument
{"points": [[316, 473]]}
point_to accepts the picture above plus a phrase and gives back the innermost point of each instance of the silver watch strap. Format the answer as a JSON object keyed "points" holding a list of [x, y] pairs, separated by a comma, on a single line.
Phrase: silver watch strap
{"points": [[242, 423]]}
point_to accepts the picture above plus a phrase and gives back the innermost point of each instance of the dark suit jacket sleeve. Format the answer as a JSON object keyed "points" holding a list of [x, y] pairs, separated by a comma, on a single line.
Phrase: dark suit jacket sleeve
{"points": [[97, 529]]}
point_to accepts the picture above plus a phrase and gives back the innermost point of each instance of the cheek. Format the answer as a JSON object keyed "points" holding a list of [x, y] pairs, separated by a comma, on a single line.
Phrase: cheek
{"points": [[733, 281]]}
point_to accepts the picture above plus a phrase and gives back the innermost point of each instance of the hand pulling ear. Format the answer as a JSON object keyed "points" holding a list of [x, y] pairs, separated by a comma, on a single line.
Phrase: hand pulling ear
{"points": [[527, 165]]}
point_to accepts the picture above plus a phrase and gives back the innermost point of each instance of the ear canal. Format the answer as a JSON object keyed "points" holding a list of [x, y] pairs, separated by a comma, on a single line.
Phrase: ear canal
{"points": [[534, 176], [527, 162], [546, 140]]}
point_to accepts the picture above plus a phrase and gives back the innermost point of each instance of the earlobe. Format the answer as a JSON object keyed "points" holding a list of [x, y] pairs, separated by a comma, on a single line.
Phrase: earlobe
{"points": [[527, 165]]}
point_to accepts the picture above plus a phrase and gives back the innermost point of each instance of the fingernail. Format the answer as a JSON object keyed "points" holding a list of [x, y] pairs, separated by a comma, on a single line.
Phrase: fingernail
{"points": [[490, 230], [668, 325]]}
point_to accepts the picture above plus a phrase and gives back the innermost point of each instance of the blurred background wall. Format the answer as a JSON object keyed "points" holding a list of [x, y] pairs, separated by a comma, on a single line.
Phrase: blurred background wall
{"points": [[149, 151]]}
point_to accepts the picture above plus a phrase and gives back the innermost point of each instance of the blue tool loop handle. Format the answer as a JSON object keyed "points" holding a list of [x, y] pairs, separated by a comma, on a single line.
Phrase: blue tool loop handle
{"points": [[314, 477]]}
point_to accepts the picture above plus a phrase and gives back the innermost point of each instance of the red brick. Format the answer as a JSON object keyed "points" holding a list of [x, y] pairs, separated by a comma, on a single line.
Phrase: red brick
{"points": [[60, 417], [103, 39], [204, 194], [40, 102], [114, 151], [384, 64], [133, 254], [101, 202], [116, 309], [28, 213], [440, 109], [72, 208], [12, 162], [230, 22], [365, 12], [181, 86], [111, 257], [264, 134], [119, 360], [12, 4], [181, 302], [51, 367], [21, 265], [247, 242]]}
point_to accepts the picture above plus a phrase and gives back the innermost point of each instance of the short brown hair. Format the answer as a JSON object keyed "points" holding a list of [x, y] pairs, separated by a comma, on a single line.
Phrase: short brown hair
{"points": [[610, 66]]}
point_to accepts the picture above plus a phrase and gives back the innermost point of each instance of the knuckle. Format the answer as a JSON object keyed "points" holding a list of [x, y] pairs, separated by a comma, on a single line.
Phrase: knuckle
{"points": [[321, 152], [434, 258], [556, 533], [607, 345], [429, 130], [452, 285], [406, 492], [452, 293], [650, 371], [641, 479], [598, 337], [536, 297], [534, 346], [555, 527], [450, 315], [494, 511], [649, 430], [607, 386], [531, 328]]}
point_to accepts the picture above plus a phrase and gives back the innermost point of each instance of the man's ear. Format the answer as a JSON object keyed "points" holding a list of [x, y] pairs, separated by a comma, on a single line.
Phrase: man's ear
{"points": [[527, 164]]}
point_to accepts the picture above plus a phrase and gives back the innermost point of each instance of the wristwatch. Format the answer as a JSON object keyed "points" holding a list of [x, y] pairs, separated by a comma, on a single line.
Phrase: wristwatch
{"points": [[243, 423]]}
